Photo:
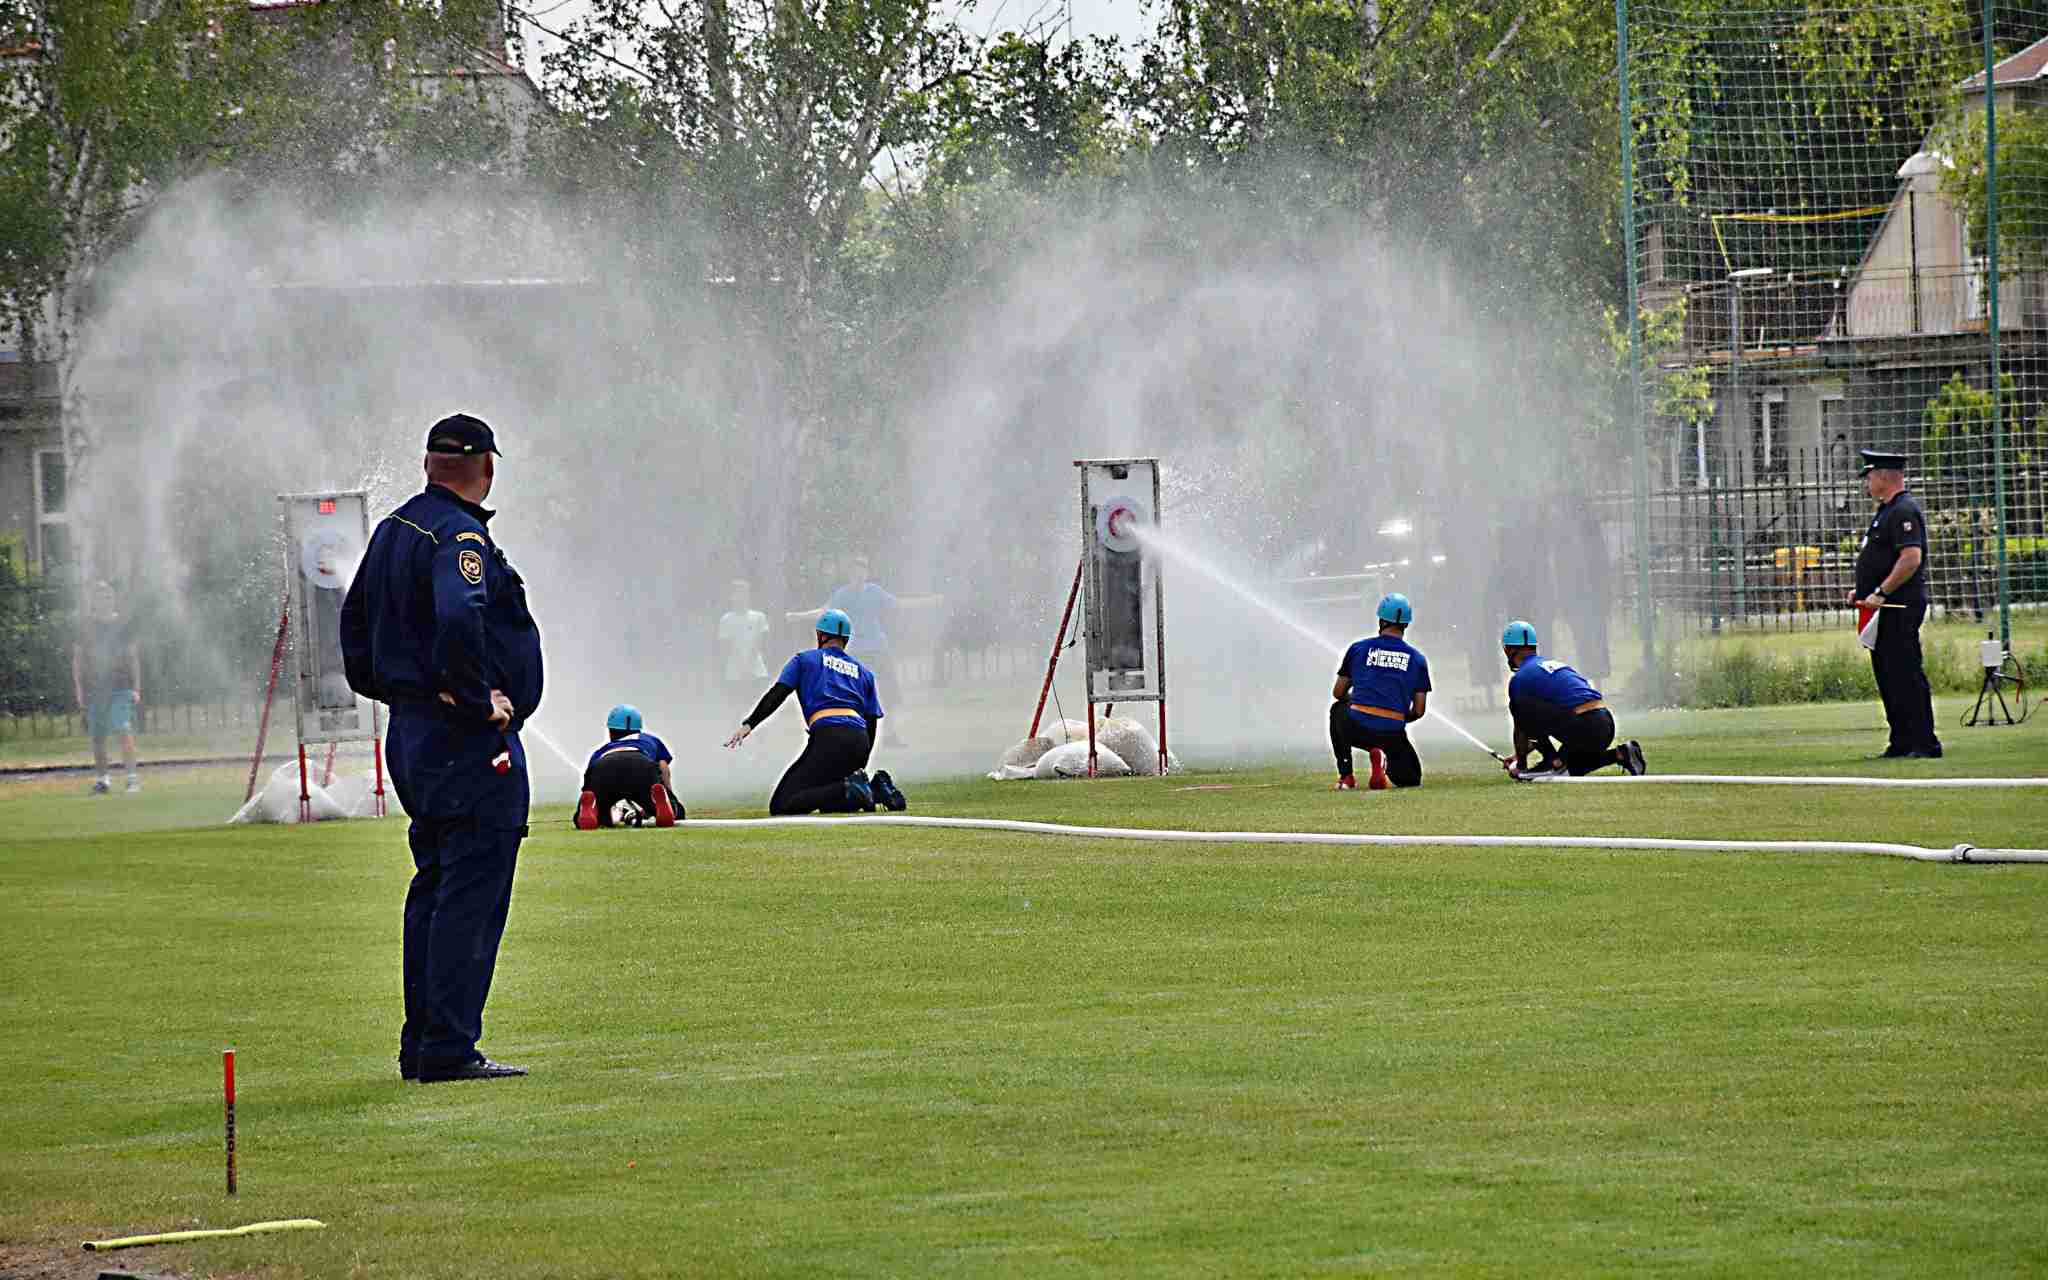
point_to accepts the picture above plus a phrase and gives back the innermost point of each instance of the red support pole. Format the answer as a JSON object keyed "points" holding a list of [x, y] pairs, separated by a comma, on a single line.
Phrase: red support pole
{"points": [[284, 615], [1162, 736], [377, 755], [1052, 663], [327, 771], [305, 796], [1091, 739]]}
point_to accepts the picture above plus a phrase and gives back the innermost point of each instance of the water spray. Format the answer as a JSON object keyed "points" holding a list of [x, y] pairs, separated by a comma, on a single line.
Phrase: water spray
{"points": [[1165, 545]]}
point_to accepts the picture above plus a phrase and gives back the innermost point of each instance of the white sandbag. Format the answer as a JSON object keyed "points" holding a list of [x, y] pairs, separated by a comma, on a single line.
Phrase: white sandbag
{"points": [[1012, 772], [1071, 761], [1060, 732], [278, 801], [1133, 742], [1026, 752], [351, 793]]}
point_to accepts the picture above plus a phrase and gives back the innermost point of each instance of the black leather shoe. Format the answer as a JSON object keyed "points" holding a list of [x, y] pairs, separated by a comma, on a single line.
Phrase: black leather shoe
{"points": [[480, 1069], [1924, 755], [408, 1067]]}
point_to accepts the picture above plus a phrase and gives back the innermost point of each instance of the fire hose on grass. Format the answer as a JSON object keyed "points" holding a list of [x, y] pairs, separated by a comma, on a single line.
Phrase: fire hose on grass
{"points": [[1916, 853]]}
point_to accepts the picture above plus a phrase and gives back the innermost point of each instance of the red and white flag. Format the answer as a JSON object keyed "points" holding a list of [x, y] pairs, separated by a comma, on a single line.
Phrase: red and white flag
{"points": [[1866, 626]]}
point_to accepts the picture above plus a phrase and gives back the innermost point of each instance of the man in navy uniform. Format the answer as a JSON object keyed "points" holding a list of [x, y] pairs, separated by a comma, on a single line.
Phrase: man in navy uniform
{"points": [[1549, 700], [1382, 686], [1891, 569], [632, 767], [837, 697], [436, 626]]}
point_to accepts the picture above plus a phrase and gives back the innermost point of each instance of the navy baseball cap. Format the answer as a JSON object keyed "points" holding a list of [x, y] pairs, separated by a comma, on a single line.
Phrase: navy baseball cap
{"points": [[1876, 461], [461, 433]]}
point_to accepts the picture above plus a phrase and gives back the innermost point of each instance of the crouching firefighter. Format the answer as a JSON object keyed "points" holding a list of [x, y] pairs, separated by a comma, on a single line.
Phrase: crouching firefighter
{"points": [[1382, 686], [631, 769], [842, 714], [1550, 701]]}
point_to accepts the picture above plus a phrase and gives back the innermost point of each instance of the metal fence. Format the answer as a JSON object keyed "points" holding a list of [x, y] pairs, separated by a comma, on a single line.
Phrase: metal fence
{"points": [[1779, 552]]}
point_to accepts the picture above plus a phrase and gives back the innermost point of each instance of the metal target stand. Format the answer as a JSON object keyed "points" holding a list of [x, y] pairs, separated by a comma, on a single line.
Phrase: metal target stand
{"points": [[321, 530]]}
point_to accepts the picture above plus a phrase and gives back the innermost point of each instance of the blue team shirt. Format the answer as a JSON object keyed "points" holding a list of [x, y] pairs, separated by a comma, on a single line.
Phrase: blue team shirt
{"points": [[1386, 672], [826, 678], [864, 605], [646, 743], [1550, 684]]}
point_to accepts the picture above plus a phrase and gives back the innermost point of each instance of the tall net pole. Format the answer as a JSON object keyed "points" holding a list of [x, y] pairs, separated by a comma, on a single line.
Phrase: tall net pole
{"points": [[1991, 252], [1637, 427]]}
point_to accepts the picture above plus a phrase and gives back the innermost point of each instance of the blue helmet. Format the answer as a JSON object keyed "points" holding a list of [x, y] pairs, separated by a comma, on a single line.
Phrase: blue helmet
{"points": [[1394, 607], [1518, 634], [834, 622], [625, 717]]}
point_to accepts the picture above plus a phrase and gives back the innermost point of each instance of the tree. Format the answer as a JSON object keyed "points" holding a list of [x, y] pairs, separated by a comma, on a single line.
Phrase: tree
{"points": [[772, 116], [107, 105]]}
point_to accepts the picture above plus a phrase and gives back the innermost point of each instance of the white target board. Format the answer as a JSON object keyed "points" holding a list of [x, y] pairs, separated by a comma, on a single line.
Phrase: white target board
{"points": [[1126, 651], [325, 536]]}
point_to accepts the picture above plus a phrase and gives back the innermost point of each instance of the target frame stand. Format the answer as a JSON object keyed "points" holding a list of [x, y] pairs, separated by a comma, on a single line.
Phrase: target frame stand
{"points": [[325, 535], [1119, 502]]}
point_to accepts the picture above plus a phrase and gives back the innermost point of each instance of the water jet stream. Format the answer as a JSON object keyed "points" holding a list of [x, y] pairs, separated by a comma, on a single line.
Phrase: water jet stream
{"points": [[1201, 564]]}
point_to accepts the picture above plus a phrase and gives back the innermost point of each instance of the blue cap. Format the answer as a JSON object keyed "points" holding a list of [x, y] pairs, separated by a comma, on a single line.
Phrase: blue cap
{"points": [[834, 622], [1394, 607], [1518, 634], [461, 433], [625, 717]]}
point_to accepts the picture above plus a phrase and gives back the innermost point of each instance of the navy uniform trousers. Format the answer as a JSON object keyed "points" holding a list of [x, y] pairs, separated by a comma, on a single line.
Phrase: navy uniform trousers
{"points": [[468, 820], [1902, 680]]}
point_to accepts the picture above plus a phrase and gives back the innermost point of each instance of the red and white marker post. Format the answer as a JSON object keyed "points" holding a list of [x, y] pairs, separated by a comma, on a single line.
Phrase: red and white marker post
{"points": [[227, 1065]]}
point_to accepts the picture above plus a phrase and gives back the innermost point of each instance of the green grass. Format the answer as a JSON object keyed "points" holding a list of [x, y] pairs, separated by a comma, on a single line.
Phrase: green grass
{"points": [[886, 1052]]}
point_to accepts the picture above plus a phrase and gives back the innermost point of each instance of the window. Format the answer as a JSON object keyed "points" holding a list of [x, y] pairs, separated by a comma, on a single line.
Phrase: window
{"points": [[1767, 435], [53, 499]]}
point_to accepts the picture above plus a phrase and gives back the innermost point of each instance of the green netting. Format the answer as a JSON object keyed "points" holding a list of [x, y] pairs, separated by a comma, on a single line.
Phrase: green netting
{"points": [[1809, 197]]}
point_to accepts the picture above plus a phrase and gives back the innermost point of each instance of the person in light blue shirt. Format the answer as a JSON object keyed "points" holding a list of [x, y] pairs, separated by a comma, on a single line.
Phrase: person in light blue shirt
{"points": [[870, 608]]}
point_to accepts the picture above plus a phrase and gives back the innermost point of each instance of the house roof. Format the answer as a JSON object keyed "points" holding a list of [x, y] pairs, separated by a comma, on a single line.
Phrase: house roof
{"points": [[2025, 67]]}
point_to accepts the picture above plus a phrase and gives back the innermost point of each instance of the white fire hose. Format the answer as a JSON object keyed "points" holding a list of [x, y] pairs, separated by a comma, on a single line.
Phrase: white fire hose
{"points": [[1956, 853]]}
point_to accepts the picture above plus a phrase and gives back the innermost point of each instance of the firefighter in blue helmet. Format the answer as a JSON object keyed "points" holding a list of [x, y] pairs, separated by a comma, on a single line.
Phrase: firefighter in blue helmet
{"points": [[1382, 686], [632, 768], [1551, 702], [436, 626], [842, 713]]}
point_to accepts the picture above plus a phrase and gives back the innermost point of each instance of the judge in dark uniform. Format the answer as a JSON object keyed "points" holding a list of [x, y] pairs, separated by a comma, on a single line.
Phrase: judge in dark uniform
{"points": [[436, 627], [1891, 569]]}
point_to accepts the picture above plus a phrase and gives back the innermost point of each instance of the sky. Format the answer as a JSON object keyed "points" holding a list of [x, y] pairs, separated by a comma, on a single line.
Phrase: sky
{"points": [[1127, 19]]}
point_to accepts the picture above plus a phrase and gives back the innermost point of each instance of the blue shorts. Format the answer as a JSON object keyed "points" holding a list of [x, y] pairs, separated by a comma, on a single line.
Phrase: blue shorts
{"points": [[110, 712]]}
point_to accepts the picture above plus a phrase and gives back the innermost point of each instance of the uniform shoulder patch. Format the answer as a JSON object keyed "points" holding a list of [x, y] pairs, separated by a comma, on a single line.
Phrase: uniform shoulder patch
{"points": [[1909, 526], [471, 564], [471, 535]]}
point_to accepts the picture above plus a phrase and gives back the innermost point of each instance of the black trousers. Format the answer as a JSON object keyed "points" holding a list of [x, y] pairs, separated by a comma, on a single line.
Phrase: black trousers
{"points": [[1586, 742], [816, 783], [625, 775], [467, 822], [1404, 767], [1902, 679]]}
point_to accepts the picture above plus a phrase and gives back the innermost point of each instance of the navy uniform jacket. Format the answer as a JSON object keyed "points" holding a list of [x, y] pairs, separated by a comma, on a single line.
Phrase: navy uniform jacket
{"points": [[436, 608], [1898, 524]]}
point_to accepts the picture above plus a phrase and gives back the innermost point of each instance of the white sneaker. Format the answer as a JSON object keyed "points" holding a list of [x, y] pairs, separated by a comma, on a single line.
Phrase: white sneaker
{"points": [[134, 784], [103, 786]]}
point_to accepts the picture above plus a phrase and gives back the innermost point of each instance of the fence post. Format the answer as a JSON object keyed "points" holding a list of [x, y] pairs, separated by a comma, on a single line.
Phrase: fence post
{"points": [[1645, 615], [1991, 325]]}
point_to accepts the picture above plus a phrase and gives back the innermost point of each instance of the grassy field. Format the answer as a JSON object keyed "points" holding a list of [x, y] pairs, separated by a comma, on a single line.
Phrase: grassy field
{"points": [[884, 1052]]}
